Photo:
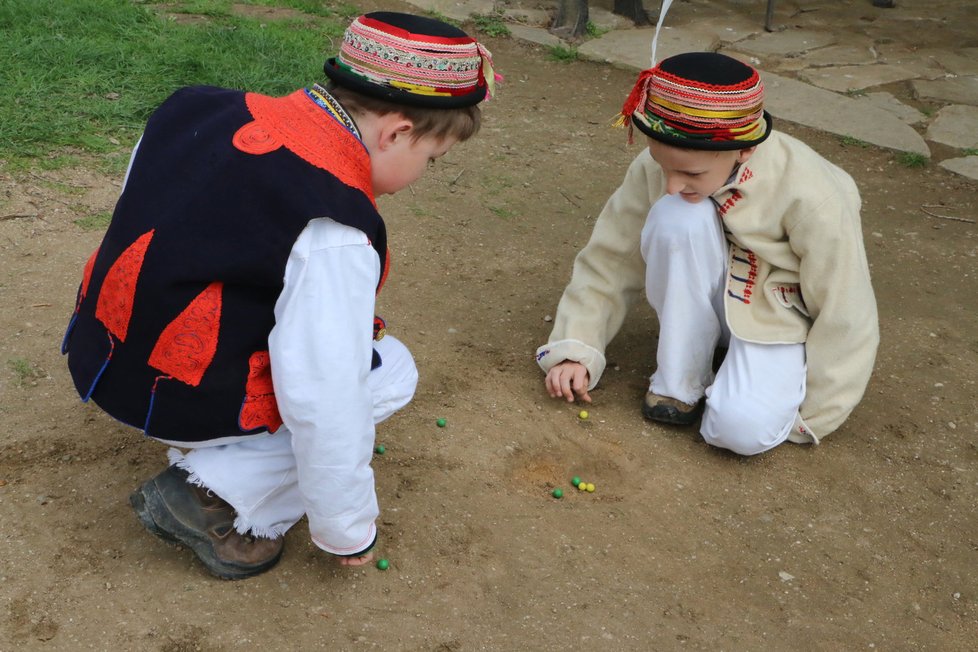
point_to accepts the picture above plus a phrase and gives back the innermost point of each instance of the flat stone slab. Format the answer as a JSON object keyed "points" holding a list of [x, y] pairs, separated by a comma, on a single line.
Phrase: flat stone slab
{"points": [[961, 63], [966, 166], [837, 114], [955, 125], [632, 48], [731, 29], [848, 54], [537, 35], [789, 43], [957, 90], [926, 66], [530, 17], [855, 78], [888, 102]]}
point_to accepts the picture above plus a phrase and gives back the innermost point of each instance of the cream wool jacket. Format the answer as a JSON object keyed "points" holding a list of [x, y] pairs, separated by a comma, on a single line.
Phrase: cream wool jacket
{"points": [[797, 274]]}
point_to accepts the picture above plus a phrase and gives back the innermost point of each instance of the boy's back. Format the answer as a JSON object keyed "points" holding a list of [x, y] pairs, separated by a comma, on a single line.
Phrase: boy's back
{"points": [[230, 309], [200, 239]]}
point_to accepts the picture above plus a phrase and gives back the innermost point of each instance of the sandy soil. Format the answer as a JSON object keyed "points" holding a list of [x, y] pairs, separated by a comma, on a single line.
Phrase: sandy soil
{"points": [[868, 541]]}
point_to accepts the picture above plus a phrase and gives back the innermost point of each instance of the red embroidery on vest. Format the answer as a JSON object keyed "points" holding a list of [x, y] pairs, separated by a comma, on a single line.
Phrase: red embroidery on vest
{"points": [[255, 139], [259, 409], [87, 275], [301, 126], [745, 175], [114, 307], [187, 345]]}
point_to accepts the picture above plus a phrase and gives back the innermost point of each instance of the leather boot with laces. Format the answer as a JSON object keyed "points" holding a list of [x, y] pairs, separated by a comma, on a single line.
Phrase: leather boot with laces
{"points": [[180, 512]]}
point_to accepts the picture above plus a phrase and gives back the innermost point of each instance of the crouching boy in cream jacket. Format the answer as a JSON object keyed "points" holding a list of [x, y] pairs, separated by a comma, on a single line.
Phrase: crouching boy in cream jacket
{"points": [[742, 238]]}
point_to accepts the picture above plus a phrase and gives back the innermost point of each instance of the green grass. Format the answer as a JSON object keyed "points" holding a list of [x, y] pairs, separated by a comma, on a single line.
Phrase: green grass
{"points": [[912, 160], [562, 54], [25, 373], [83, 75], [490, 24], [593, 31], [501, 211], [437, 15], [851, 141], [96, 222], [970, 151]]}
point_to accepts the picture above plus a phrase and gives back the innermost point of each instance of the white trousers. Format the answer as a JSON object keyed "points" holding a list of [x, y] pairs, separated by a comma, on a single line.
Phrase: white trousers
{"points": [[752, 401], [258, 476]]}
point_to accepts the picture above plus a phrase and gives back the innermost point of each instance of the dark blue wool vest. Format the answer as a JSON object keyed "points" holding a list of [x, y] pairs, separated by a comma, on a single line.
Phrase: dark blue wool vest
{"points": [[170, 332]]}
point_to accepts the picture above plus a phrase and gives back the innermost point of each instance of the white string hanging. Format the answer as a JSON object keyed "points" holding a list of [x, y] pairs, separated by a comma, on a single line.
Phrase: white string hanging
{"points": [[658, 26]]}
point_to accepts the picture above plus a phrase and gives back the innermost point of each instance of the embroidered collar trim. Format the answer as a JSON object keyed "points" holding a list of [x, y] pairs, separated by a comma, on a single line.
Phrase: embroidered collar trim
{"points": [[323, 136]]}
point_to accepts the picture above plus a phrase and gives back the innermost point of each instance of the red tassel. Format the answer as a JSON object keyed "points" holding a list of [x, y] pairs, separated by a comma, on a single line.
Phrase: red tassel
{"points": [[636, 97]]}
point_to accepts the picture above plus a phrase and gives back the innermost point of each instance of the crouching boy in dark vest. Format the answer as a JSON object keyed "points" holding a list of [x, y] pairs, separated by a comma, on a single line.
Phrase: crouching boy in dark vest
{"points": [[229, 310]]}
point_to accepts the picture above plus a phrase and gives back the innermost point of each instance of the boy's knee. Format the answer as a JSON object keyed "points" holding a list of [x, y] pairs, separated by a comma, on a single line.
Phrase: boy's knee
{"points": [[397, 363], [672, 219], [745, 432], [394, 382]]}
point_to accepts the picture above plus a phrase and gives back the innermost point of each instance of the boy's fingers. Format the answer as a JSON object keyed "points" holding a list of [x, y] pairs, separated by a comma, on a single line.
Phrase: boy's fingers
{"points": [[567, 382], [565, 388], [552, 385], [580, 385]]}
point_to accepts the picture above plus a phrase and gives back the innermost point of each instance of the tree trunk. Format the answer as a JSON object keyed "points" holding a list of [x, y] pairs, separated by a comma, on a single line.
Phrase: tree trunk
{"points": [[633, 10], [571, 19]]}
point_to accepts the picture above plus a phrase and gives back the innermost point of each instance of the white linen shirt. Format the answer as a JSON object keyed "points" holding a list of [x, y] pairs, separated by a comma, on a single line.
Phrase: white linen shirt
{"points": [[321, 351]]}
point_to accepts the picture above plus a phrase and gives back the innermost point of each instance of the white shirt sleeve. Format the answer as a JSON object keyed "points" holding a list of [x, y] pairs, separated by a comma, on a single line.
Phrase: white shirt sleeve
{"points": [[132, 157], [321, 350]]}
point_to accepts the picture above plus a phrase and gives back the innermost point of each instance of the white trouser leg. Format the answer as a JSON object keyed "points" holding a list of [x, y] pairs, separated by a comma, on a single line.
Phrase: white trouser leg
{"points": [[685, 254], [751, 406], [257, 476]]}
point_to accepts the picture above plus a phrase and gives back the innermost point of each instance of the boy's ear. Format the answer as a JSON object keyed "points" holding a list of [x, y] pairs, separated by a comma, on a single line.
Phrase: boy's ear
{"points": [[395, 127], [745, 154]]}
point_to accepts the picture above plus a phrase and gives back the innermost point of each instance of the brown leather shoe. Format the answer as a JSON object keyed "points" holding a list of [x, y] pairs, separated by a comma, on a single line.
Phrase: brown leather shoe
{"points": [[180, 512], [666, 409]]}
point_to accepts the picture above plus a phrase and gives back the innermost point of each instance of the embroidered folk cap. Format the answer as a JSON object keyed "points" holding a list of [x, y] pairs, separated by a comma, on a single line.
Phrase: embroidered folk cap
{"points": [[413, 60], [699, 100]]}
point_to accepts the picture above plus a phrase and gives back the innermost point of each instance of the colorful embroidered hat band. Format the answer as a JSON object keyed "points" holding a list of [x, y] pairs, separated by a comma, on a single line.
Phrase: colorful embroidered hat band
{"points": [[412, 60], [699, 100]]}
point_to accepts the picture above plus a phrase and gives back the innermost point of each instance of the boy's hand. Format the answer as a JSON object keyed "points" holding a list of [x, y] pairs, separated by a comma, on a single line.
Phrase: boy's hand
{"points": [[568, 380], [356, 561]]}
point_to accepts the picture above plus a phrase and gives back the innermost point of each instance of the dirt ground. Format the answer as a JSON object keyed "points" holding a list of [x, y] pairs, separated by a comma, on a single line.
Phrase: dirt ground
{"points": [[868, 541]]}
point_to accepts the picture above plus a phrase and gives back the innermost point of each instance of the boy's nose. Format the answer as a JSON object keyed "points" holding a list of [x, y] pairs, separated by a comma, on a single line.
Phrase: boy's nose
{"points": [[674, 185]]}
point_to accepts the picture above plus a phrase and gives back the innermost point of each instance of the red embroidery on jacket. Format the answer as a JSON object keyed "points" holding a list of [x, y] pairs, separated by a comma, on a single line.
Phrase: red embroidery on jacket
{"points": [[785, 291], [114, 307], [745, 175], [259, 408], [752, 275], [735, 196], [187, 345], [301, 126], [750, 280]]}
